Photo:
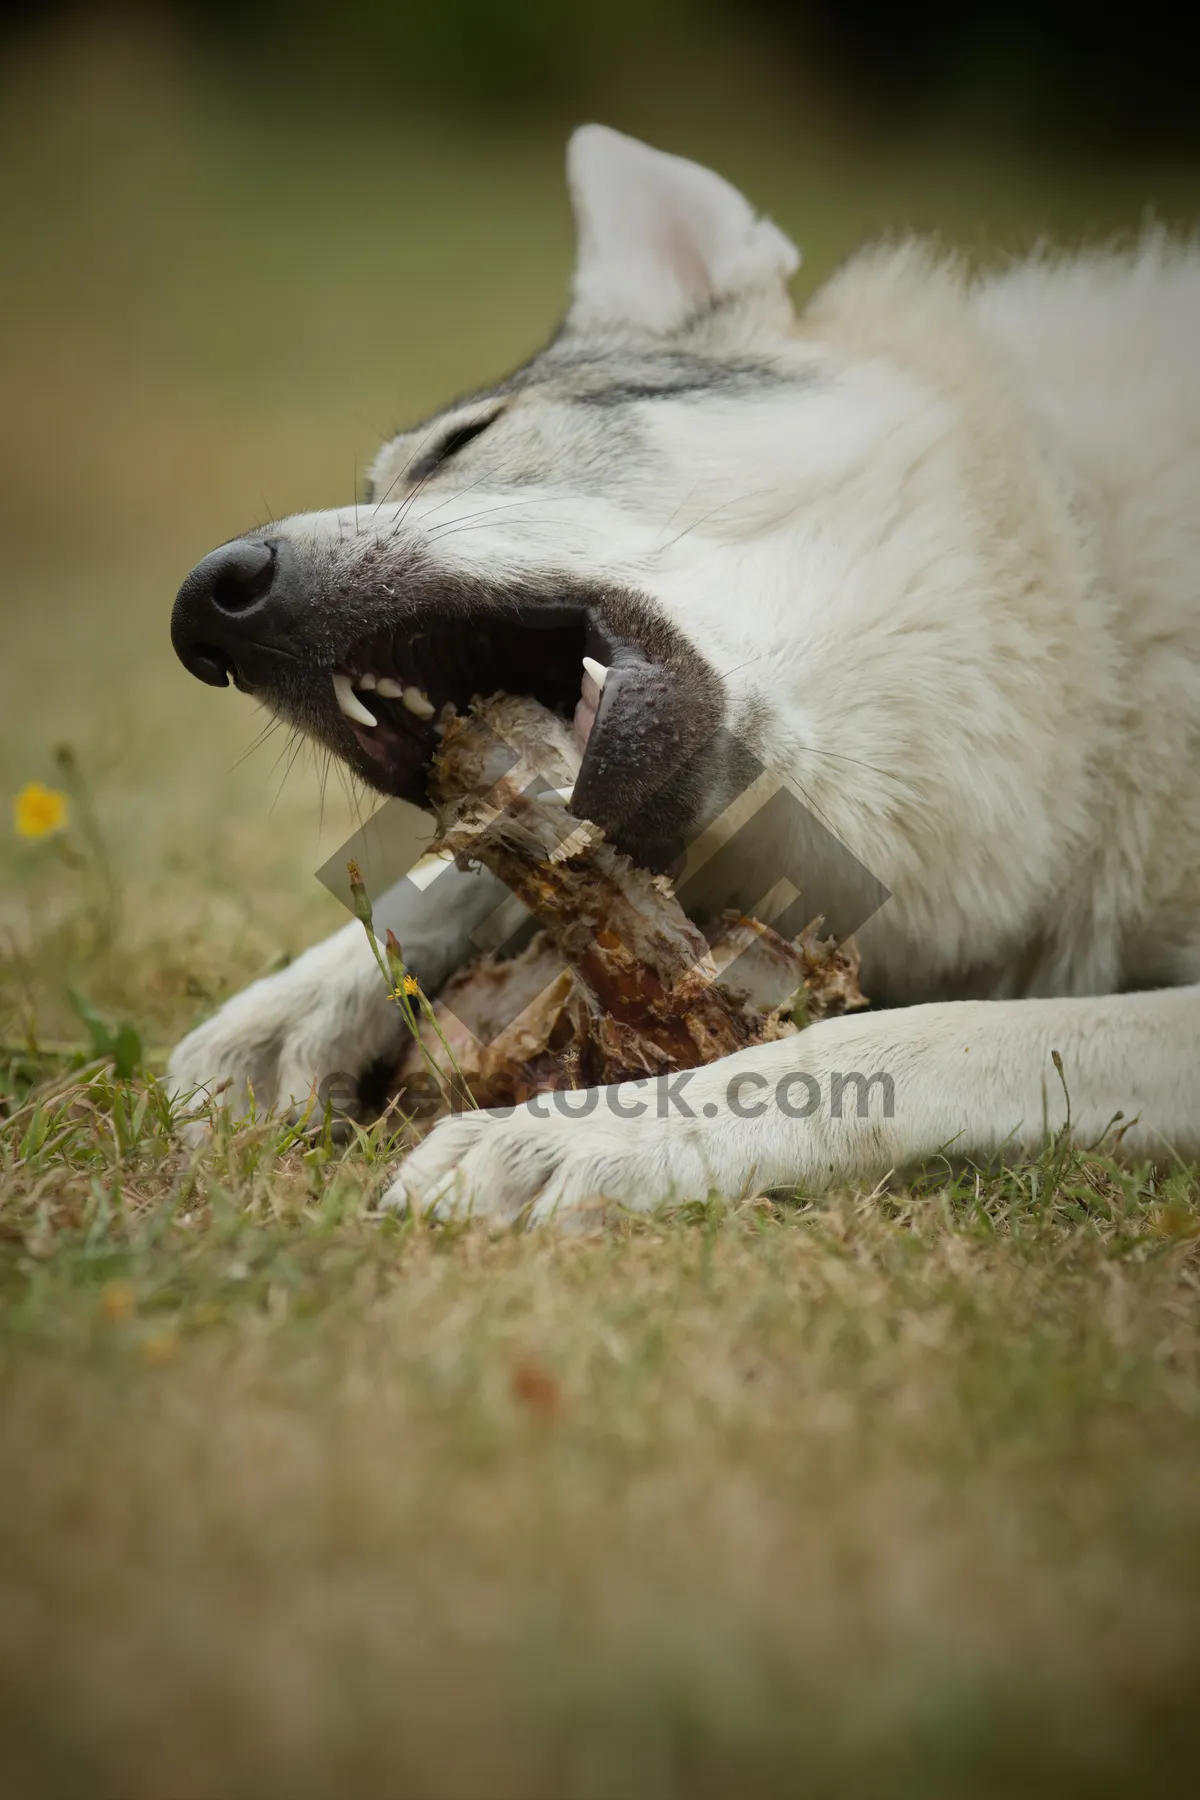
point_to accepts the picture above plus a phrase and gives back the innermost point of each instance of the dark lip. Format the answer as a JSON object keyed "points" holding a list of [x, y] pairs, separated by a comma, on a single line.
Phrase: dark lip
{"points": [[257, 675], [662, 704]]}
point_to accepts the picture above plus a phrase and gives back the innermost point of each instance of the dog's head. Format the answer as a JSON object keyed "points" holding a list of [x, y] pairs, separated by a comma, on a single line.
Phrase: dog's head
{"points": [[577, 532]]}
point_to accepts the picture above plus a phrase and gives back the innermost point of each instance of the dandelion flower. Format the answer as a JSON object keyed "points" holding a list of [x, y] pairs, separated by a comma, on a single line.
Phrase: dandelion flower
{"points": [[119, 1300], [39, 811], [411, 985], [161, 1347]]}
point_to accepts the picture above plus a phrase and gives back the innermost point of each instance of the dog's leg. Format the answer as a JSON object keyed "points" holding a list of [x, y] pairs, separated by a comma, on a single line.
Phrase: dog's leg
{"points": [[328, 1014], [849, 1099]]}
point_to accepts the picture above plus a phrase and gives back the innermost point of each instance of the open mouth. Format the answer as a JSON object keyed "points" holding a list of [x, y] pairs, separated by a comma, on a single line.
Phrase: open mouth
{"points": [[393, 690], [643, 703]]}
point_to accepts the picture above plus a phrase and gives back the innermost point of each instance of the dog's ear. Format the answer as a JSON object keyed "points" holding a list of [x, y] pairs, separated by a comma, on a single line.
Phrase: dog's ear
{"points": [[660, 238]]}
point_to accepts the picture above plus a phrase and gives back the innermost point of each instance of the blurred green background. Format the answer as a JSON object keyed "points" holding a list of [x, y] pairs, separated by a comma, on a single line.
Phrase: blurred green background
{"points": [[244, 241]]}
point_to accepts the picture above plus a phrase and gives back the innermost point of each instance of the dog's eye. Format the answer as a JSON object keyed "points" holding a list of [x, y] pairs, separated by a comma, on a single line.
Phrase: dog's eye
{"points": [[451, 444]]}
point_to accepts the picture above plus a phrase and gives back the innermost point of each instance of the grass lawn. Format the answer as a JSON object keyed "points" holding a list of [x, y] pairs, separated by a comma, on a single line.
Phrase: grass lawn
{"points": [[872, 1494], [888, 1494]]}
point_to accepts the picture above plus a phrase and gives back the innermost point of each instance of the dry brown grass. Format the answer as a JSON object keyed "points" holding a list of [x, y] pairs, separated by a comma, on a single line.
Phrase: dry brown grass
{"points": [[876, 1494]]}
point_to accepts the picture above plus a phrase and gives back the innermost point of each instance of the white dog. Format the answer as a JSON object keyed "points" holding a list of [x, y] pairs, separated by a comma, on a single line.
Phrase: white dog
{"points": [[930, 551]]}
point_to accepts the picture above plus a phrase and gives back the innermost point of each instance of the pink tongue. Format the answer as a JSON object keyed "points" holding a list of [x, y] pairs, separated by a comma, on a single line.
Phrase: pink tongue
{"points": [[373, 742]]}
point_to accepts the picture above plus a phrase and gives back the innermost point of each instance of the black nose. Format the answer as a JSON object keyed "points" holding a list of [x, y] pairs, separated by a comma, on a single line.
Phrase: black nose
{"points": [[232, 613]]}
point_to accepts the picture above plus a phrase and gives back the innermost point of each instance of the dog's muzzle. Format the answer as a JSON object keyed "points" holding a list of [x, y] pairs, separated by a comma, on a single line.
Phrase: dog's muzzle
{"points": [[369, 672]]}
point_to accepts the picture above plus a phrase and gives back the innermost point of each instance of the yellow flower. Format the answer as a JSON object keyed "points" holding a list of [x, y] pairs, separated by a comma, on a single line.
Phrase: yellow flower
{"points": [[160, 1347], [119, 1299], [38, 811], [411, 985]]}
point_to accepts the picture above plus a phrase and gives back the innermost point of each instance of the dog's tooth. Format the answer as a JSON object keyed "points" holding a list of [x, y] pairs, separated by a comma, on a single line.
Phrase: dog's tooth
{"points": [[417, 703], [365, 682], [388, 689], [596, 670], [349, 701]]}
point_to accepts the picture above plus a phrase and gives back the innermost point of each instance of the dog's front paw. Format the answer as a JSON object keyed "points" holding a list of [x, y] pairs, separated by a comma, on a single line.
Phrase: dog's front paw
{"points": [[541, 1163], [291, 1039], [774, 1116]]}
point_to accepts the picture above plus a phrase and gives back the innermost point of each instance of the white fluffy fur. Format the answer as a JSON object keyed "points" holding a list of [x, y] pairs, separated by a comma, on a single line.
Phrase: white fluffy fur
{"points": [[958, 575]]}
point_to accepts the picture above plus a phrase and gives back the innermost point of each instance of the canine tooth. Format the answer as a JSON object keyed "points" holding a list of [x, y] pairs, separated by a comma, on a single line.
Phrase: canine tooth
{"points": [[417, 703], [389, 689], [596, 670], [365, 682], [349, 701]]}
